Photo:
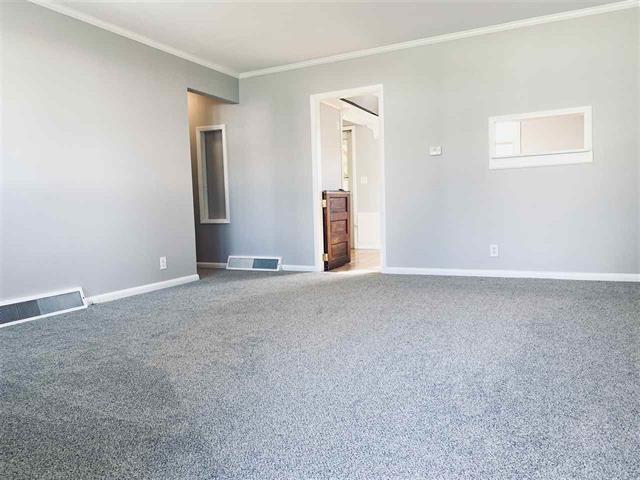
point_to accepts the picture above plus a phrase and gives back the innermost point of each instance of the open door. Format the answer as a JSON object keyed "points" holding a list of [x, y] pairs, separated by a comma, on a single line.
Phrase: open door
{"points": [[336, 210]]}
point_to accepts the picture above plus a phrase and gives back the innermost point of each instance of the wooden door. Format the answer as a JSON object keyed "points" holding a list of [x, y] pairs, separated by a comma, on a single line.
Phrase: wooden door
{"points": [[336, 208]]}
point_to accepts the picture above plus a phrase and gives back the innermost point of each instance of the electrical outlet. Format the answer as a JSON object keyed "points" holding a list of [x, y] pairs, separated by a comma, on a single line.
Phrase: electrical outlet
{"points": [[163, 263], [435, 150], [493, 251]]}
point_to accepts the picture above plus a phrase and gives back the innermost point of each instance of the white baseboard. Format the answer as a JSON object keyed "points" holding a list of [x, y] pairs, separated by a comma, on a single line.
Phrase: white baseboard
{"points": [[150, 287], [606, 277], [212, 265], [299, 268]]}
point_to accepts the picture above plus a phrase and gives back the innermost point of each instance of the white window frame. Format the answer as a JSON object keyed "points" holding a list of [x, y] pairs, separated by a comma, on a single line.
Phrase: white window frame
{"points": [[202, 175], [561, 157]]}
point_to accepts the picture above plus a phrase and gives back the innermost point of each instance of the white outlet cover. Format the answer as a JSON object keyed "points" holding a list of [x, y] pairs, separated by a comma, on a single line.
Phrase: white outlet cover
{"points": [[494, 251], [163, 263], [435, 150], [364, 180]]}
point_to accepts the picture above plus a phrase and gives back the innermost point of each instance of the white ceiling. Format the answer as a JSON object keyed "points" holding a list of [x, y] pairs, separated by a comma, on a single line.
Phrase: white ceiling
{"points": [[246, 36]]}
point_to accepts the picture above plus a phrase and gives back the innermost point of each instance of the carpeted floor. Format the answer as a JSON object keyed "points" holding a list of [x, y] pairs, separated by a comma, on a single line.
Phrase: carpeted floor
{"points": [[321, 376]]}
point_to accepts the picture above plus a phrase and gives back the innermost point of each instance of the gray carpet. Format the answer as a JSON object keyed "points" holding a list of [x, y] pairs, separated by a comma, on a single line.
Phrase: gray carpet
{"points": [[312, 376]]}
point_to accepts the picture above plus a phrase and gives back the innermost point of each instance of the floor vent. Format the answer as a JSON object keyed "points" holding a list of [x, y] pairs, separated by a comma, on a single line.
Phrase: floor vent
{"points": [[264, 264], [25, 309]]}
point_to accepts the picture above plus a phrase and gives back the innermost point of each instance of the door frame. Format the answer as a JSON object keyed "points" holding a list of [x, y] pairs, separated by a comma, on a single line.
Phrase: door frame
{"points": [[354, 188], [316, 169]]}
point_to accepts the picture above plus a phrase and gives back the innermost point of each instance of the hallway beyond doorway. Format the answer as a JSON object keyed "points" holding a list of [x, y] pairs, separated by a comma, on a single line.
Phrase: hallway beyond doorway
{"points": [[362, 260]]}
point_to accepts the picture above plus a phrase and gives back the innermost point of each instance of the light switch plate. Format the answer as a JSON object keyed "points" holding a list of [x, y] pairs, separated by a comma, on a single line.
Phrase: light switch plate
{"points": [[435, 150], [364, 180]]}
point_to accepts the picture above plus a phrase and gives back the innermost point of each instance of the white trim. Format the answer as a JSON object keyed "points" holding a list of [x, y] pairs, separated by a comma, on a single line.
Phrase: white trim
{"points": [[299, 268], [202, 175], [563, 157], [316, 167], [548, 160], [45, 295], [586, 109], [331, 104], [353, 183], [83, 17], [211, 265], [606, 277], [528, 22], [150, 287], [123, 32]]}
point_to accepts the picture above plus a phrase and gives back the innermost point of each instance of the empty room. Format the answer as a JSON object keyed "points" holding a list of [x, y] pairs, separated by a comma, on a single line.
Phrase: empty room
{"points": [[320, 240]]}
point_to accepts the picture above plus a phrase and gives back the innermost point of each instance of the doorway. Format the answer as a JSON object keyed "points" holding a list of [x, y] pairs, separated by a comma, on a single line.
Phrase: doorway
{"points": [[210, 121], [348, 163]]}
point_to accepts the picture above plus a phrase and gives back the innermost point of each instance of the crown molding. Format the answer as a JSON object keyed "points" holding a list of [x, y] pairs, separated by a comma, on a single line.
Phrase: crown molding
{"points": [[70, 12], [123, 32], [556, 17]]}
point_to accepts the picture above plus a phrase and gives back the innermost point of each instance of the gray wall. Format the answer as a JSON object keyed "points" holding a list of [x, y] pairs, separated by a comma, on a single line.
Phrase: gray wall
{"points": [[367, 165], [445, 211], [331, 147], [95, 172], [96, 180]]}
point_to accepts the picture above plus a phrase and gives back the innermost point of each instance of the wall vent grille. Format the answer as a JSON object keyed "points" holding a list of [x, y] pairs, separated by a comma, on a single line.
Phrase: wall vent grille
{"points": [[263, 264], [25, 309]]}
